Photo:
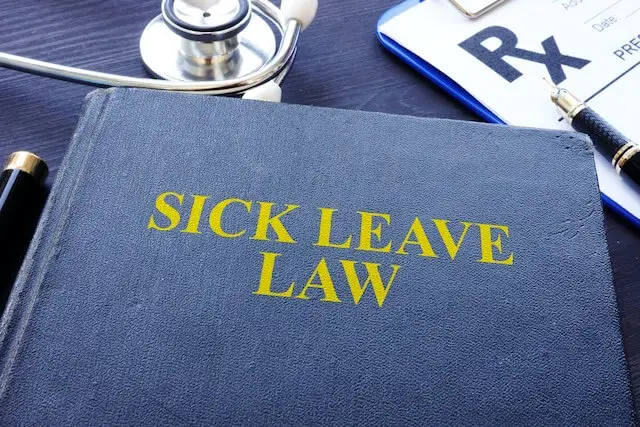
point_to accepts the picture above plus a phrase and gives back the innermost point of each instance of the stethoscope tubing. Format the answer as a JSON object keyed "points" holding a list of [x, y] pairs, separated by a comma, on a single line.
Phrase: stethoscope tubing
{"points": [[275, 69]]}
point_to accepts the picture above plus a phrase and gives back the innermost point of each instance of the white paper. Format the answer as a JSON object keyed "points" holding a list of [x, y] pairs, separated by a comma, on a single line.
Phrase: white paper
{"points": [[604, 32]]}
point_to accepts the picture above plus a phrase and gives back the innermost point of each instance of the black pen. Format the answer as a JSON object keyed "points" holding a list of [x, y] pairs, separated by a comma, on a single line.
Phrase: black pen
{"points": [[620, 150], [22, 197]]}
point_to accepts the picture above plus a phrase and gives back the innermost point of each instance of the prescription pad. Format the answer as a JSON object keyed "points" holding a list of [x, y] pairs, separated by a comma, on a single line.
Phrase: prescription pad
{"points": [[590, 47]]}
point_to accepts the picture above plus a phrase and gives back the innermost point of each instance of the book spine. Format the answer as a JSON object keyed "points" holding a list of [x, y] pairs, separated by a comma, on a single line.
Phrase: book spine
{"points": [[25, 292]]}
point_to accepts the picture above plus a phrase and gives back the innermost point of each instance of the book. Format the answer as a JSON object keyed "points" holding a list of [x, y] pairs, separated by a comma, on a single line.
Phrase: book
{"points": [[207, 260]]}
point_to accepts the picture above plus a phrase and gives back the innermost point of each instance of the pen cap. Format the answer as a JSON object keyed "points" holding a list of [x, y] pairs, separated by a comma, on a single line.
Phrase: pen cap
{"points": [[29, 163]]}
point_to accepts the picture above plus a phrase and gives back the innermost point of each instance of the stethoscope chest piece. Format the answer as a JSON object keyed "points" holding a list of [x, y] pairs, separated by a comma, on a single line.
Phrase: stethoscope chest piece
{"points": [[203, 40], [206, 47]]}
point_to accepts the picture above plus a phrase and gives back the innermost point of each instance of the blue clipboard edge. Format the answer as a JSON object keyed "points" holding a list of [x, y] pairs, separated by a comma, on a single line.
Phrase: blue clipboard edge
{"points": [[457, 91]]}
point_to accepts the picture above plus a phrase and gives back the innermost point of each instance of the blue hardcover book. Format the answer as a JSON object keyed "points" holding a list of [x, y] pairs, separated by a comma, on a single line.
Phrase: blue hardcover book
{"points": [[218, 261]]}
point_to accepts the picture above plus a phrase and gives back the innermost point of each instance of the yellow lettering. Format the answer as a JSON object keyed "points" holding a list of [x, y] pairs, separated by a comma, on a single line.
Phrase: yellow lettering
{"points": [[367, 230], [167, 210], [447, 239], [215, 218], [324, 236], [421, 240], [194, 216], [326, 284], [487, 243], [379, 289], [265, 220], [266, 277]]}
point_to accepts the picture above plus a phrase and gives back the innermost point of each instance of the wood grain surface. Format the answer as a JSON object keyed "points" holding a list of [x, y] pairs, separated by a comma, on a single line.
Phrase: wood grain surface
{"points": [[339, 64]]}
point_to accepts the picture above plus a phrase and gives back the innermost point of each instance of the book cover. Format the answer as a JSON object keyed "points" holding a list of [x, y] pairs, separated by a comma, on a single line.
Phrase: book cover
{"points": [[209, 260]]}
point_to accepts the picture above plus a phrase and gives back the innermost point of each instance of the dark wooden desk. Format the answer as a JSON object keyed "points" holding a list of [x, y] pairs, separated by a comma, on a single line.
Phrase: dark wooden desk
{"points": [[339, 64]]}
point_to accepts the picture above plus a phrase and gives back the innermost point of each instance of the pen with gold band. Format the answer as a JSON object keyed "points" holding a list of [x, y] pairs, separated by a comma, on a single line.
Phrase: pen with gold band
{"points": [[623, 153], [22, 196]]}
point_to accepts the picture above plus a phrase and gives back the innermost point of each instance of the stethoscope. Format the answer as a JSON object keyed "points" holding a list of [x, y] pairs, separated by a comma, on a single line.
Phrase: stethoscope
{"points": [[210, 47]]}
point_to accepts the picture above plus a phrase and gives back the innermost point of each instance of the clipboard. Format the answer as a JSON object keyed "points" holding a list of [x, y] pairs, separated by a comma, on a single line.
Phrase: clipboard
{"points": [[456, 91]]}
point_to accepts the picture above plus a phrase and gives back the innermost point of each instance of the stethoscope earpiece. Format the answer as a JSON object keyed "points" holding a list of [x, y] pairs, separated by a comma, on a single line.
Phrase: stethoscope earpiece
{"points": [[211, 47]]}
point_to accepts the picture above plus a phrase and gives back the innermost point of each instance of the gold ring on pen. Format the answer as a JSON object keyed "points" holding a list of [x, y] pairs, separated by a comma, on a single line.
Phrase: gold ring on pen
{"points": [[621, 151], [626, 157]]}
